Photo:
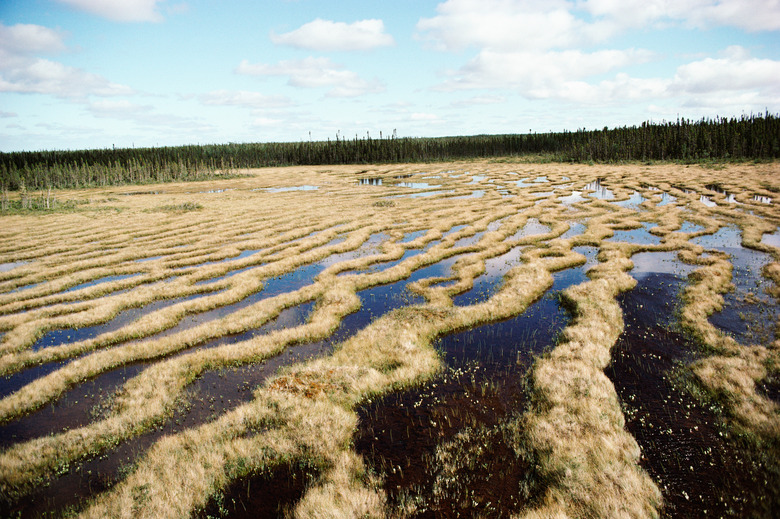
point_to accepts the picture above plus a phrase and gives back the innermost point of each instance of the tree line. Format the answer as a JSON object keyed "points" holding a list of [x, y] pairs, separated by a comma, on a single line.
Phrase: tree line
{"points": [[748, 137]]}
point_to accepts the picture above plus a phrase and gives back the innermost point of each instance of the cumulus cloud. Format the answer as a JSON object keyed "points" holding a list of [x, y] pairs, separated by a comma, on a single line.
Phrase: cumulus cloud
{"points": [[326, 35], [21, 71], [751, 15], [244, 98], [43, 76], [143, 115], [736, 70], [535, 74], [734, 82], [509, 25], [119, 10], [118, 109], [480, 100], [518, 25], [315, 73], [24, 39]]}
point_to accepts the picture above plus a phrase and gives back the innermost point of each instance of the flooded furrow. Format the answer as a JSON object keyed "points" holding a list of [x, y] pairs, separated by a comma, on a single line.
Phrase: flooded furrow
{"points": [[700, 469], [423, 440]]}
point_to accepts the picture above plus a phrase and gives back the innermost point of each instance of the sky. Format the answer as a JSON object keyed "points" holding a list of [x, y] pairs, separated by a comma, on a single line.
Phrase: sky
{"points": [[78, 74]]}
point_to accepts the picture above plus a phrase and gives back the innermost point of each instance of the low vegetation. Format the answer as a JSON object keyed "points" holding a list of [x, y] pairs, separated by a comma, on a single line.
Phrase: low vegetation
{"points": [[187, 282]]}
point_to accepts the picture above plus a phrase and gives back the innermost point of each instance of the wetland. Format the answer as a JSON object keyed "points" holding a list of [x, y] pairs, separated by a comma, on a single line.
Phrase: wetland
{"points": [[461, 339]]}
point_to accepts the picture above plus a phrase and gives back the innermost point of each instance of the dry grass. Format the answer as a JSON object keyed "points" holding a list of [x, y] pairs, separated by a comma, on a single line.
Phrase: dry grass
{"points": [[587, 463]]}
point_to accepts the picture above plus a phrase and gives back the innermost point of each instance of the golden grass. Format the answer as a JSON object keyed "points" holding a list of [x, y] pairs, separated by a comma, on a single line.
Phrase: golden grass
{"points": [[587, 462]]}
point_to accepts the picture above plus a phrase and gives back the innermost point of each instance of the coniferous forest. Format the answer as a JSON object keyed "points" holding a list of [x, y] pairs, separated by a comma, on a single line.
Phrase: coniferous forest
{"points": [[749, 137]]}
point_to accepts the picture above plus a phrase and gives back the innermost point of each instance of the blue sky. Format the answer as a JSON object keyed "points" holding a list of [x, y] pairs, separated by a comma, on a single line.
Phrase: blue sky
{"points": [[98, 73]]}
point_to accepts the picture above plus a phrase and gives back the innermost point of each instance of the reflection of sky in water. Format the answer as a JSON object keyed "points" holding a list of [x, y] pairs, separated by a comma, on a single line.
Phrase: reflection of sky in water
{"points": [[287, 318], [599, 191], [749, 314], [639, 236], [144, 260], [455, 229], [725, 237], [634, 200], [413, 236], [476, 179], [666, 198], [5, 267], [125, 317], [417, 185], [370, 181], [496, 224], [524, 183], [376, 267], [516, 339], [771, 239], [227, 261], [762, 199], [370, 247], [574, 197], [690, 227], [19, 289], [479, 193], [543, 194], [531, 228], [541, 179], [647, 263], [575, 229], [469, 240], [486, 284], [100, 281], [421, 195], [706, 201], [293, 188]]}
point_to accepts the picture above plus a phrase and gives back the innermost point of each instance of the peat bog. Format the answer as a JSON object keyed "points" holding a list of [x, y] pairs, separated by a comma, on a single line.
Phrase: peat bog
{"points": [[398, 341]]}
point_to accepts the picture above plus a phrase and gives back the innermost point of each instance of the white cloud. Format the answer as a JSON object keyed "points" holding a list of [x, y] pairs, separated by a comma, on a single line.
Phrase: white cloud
{"points": [[22, 72], [23, 39], [564, 75], [735, 71], [536, 74], [751, 15], [143, 115], [734, 82], [42, 76], [521, 25], [118, 109], [510, 25], [244, 98], [480, 100], [315, 73], [326, 35], [119, 10]]}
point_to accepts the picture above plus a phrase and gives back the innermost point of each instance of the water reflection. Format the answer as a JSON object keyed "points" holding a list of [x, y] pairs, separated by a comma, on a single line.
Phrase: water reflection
{"points": [[293, 188], [599, 191]]}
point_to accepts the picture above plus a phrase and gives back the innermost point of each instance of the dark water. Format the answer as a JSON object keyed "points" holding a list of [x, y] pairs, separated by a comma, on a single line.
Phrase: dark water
{"points": [[749, 313], [462, 414], [700, 471]]}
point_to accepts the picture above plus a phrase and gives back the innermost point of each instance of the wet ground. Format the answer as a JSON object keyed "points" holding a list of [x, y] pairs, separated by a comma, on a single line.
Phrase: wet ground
{"points": [[700, 469], [447, 447]]}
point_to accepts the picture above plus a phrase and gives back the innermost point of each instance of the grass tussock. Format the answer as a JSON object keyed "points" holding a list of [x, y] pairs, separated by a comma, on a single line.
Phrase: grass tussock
{"points": [[185, 296]]}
